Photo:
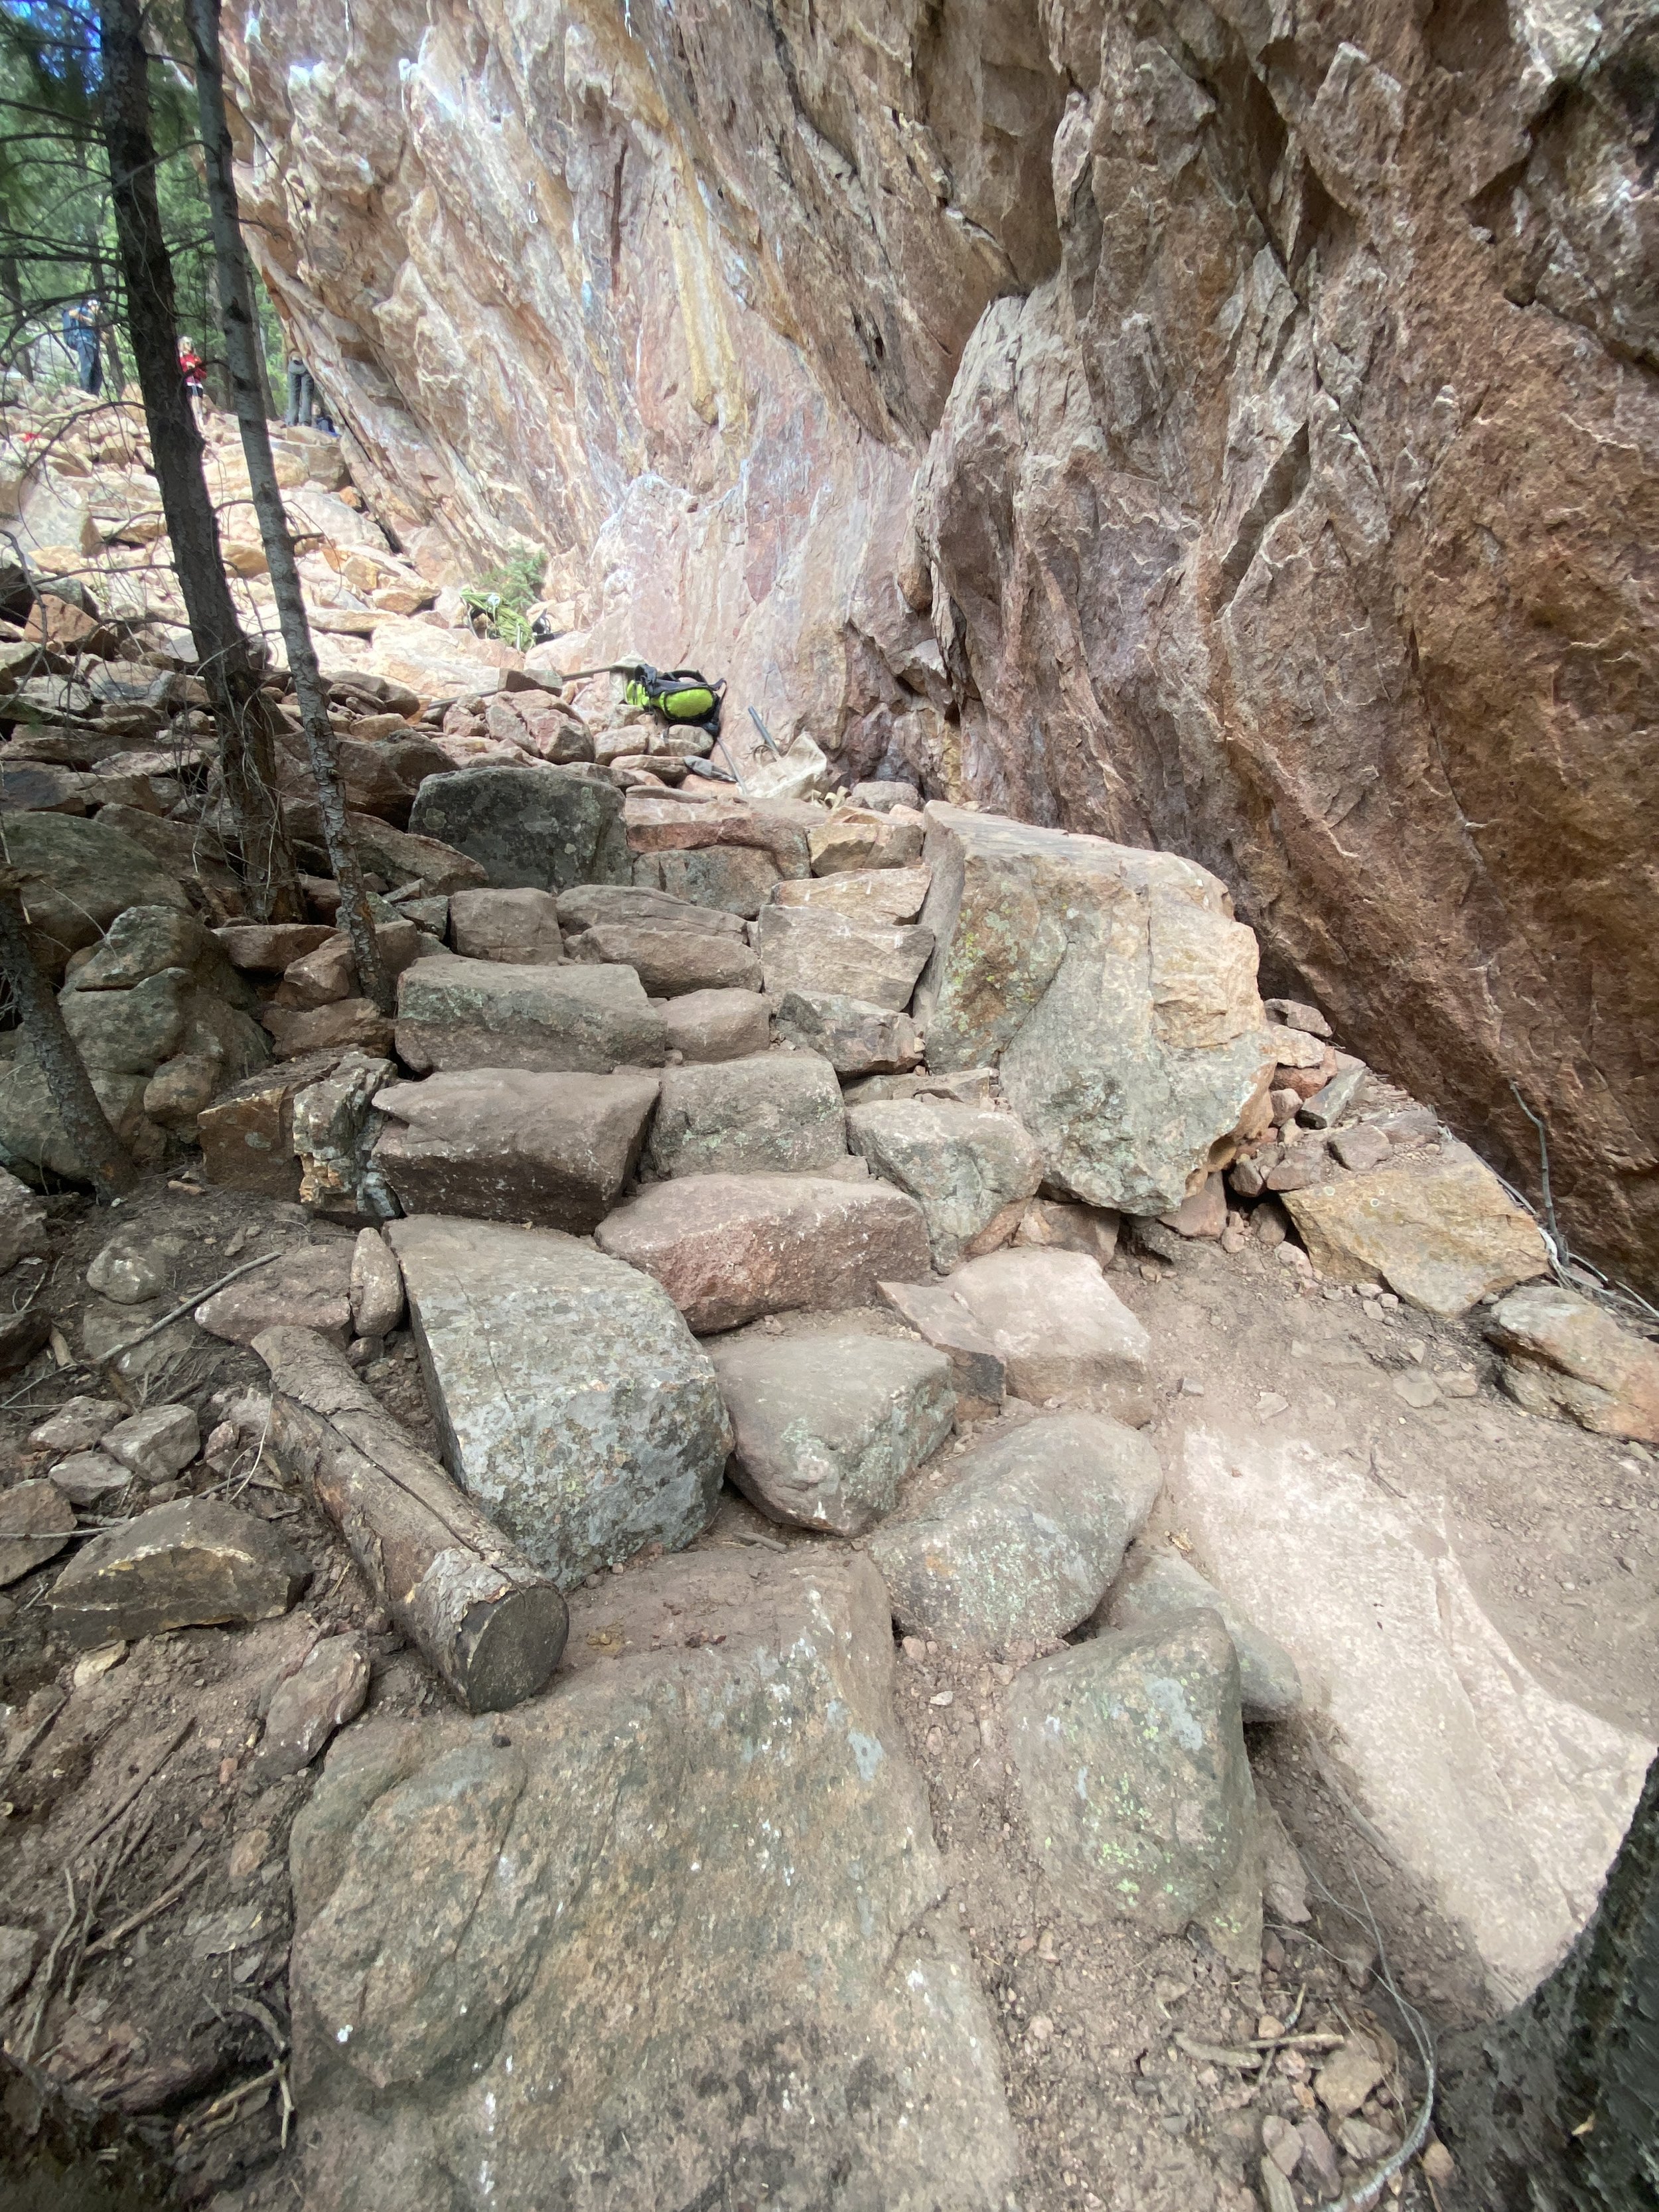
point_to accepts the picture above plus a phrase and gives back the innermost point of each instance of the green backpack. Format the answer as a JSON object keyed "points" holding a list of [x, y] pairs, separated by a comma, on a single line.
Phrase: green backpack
{"points": [[679, 695]]}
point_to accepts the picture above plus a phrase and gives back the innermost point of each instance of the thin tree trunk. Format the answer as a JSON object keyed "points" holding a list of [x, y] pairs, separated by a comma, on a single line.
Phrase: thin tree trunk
{"points": [[1556, 2108], [242, 347], [241, 713], [80, 1109]]}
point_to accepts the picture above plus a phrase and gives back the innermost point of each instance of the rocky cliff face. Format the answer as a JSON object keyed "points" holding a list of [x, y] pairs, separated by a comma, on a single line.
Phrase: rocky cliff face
{"points": [[1226, 426]]}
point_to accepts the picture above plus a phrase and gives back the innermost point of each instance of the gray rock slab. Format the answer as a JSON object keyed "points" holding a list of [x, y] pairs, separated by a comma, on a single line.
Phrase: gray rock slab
{"points": [[1058, 1328], [776, 1113], [1565, 1356], [969, 1169], [592, 906], [710, 1025], [36, 1520], [878, 895], [81, 875], [729, 1248], [856, 1037], [1113, 987], [572, 1401], [156, 1443], [1157, 1583], [535, 828], [1024, 1543], [829, 1427], [694, 1907], [138, 1263], [940, 1318], [520, 927], [736, 880], [1502, 1797], [1129, 1752], [327, 1689], [812, 948], [23, 1230], [669, 959], [188, 1565], [309, 1287], [501, 1144], [485, 1013]]}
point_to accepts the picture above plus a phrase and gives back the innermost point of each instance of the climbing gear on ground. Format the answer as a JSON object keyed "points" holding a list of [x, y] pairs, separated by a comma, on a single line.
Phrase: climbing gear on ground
{"points": [[677, 695]]}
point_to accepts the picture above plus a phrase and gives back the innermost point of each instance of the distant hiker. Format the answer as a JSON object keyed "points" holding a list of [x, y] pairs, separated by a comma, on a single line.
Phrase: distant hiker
{"points": [[301, 394], [191, 368], [83, 337]]}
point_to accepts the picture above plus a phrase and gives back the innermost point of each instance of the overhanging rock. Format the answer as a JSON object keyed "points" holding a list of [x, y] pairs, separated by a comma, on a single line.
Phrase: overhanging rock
{"points": [[1113, 987]]}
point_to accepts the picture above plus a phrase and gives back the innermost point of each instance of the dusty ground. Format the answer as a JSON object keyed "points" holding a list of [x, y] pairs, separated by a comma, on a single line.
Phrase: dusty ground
{"points": [[139, 1786]]}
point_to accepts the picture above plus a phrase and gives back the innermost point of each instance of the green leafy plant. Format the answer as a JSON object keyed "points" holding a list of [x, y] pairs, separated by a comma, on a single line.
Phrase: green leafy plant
{"points": [[502, 594]]}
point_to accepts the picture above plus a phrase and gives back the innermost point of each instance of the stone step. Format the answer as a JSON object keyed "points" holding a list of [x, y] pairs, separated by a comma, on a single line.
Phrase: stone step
{"points": [[456, 1013]]}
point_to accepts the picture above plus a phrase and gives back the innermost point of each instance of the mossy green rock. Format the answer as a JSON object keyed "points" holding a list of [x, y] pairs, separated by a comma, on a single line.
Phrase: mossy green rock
{"points": [[1129, 1751]]}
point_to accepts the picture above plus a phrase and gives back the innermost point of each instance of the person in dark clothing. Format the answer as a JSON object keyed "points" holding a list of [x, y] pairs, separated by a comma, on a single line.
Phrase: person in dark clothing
{"points": [[301, 394], [83, 339]]}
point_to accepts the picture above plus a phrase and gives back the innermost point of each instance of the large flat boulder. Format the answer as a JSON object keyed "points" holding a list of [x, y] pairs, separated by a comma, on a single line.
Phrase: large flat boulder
{"points": [[669, 959], [969, 1169], [454, 1013], [572, 1401], [78, 876], [1437, 1226], [812, 948], [684, 1937], [1505, 1801], [729, 1248], [1112, 986], [828, 1426], [1025, 1541], [536, 828], [774, 1113], [1059, 1326], [501, 1144], [1130, 1756]]}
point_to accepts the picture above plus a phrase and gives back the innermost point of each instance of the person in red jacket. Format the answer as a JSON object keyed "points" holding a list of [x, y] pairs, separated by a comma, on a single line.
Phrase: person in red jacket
{"points": [[191, 368]]}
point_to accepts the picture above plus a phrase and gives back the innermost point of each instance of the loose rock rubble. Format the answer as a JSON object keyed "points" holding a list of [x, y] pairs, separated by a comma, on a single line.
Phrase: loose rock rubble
{"points": [[711, 1260]]}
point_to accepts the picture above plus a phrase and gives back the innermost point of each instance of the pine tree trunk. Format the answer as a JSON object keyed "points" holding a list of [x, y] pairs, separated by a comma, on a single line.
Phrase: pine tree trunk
{"points": [[242, 347], [241, 713], [87, 1126], [1556, 2108]]}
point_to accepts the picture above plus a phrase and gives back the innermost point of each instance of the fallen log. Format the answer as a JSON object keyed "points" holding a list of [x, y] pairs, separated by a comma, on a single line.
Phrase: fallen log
{"points": [[491, 1624]]}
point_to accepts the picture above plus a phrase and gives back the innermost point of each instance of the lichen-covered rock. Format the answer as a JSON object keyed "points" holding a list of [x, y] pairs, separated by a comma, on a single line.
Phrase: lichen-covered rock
{"points": [[573, 1402], [1438, 1227], [1023, 1545], [79, 875], [969, 1170], [855, 1036], [828, 1426], [1157, 1583], [335, 1124], [539, 827], [814, 949], [692, 1908], [776, 1113], [1130, 1757], [1112, 986]]}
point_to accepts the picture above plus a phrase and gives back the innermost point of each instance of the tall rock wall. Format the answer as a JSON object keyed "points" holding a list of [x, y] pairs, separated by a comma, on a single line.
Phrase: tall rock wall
{"points": [[1227, 426]]}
